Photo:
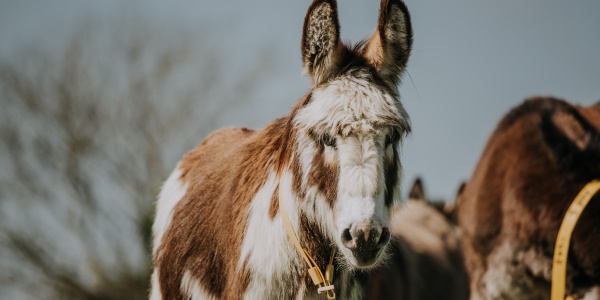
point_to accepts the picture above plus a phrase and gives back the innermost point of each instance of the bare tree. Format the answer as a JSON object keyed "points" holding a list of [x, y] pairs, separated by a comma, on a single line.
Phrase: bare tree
{"points": [[87, 133]]}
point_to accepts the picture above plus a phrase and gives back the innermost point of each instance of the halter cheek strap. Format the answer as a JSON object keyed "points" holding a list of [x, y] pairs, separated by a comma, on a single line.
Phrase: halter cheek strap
{"points": [[561, 249], [324, 283]]}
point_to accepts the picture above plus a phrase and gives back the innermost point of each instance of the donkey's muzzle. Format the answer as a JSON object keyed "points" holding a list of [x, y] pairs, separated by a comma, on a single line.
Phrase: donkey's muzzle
{"points": [[366, 242]]}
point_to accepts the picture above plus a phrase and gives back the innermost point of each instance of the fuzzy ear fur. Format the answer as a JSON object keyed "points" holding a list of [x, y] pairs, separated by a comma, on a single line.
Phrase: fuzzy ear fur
{"points": [[321, 40], [574, 142], [389, 47]]}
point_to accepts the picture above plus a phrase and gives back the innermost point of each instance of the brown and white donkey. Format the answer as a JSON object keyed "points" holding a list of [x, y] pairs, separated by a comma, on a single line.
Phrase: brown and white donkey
{"points": [[218, 232]]}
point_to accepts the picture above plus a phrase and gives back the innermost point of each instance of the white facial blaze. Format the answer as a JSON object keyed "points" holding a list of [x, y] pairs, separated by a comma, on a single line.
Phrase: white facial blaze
{"points": [[359, 166], [361, 183]]}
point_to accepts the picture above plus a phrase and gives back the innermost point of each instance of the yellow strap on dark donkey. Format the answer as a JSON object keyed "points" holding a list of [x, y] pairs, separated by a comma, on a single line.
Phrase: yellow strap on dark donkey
{"points": [[561, 249]]}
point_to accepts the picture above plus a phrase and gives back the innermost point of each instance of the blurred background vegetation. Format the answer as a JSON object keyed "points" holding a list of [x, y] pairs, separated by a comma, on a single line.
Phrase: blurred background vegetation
{"points": [[88, 130]]}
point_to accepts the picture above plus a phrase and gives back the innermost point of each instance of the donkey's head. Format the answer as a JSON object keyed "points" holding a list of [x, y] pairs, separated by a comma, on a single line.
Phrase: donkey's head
{"points": [[348, 128]]}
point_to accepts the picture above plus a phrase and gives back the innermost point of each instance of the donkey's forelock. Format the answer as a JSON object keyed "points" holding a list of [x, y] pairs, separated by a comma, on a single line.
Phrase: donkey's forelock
{"points": [[352, 104]]}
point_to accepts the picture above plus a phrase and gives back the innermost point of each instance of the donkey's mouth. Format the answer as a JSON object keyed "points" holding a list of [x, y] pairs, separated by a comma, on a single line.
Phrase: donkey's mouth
{"points": [[367, 258]]}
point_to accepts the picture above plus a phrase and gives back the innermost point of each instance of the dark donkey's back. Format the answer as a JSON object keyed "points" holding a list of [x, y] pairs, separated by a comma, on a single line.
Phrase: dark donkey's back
{"points": [[539, 157]]}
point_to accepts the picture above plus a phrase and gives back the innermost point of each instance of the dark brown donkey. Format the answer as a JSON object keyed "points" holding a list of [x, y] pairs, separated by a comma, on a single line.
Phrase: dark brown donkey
{"points": [[536, 161], [333, 163], [426, 261]]}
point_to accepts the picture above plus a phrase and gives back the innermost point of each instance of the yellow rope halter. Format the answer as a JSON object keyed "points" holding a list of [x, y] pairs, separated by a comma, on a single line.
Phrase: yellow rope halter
{"points": [[561, 249]]}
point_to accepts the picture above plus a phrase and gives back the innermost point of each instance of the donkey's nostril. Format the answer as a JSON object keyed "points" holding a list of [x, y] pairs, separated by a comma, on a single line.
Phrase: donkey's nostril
{"points": [[385, 237], [347, 239]]}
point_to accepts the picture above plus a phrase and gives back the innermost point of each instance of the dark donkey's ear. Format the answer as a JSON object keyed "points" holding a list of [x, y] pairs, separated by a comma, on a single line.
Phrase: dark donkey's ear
{"points": [[321, 40], [573, 140], [417, 192], [389, 47]]}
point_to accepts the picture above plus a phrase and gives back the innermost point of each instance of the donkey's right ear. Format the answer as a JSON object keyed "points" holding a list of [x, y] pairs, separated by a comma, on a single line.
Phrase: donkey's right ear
{"points": [[321, 40]]}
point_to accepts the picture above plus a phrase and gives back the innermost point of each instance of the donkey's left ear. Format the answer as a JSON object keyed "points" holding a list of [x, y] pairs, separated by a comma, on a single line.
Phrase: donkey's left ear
{"points": [[321, 40], [389, 47]]}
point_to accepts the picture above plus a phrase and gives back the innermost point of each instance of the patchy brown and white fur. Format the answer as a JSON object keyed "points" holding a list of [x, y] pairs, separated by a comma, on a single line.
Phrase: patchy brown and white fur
{"points": [[426, 256], [539, 157], [218, 233]]}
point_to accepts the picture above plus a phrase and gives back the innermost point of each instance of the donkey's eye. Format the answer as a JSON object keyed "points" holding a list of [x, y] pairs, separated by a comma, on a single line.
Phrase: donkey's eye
{"points": [[328, 140], [390, 138]]}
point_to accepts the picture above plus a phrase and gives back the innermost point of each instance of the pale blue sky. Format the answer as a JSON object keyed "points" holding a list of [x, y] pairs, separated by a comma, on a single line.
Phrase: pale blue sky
{"points": [[472, 60]]}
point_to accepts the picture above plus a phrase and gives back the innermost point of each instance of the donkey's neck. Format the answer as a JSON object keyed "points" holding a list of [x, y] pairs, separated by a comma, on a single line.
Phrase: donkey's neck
{"points": [[266, 250], [279, 271]]}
